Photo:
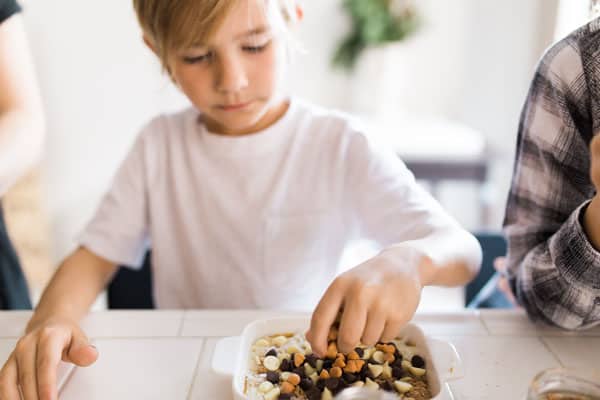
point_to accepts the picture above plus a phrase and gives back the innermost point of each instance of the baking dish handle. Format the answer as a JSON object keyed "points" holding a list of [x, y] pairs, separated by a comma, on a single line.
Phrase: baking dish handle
{"points": [[446, 359], [225, 356]]}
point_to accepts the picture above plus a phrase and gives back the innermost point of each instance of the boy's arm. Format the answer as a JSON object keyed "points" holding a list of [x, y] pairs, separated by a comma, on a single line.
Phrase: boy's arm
{"points": [[422, 245], [552, 266], [73, 288], [53, 332]]}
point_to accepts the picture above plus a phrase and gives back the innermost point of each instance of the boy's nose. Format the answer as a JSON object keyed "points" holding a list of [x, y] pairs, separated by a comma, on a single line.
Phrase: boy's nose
{"points": [[231, 77]]}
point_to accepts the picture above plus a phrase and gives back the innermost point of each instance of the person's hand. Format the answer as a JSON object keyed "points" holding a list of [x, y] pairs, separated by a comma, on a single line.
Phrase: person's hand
{"points": [[592, 212], [32, 367], [503, 285], [378, 298]]}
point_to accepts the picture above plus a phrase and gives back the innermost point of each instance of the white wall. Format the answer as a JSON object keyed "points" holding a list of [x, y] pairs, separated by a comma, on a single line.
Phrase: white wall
{"points": [[471, 62], [99, 84]]}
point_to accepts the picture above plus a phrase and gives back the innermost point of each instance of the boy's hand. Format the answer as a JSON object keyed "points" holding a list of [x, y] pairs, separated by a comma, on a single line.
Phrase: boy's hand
{"points": [[32, 366], [378, 299], [592, 213]]}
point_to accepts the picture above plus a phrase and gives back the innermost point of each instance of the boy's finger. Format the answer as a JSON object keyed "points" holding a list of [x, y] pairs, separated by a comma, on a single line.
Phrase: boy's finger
{"points": [[352, 323], [324, 316], [26, 371], [374, 327], [391, 330], [80, 352], [9, 383], [50, 350]]}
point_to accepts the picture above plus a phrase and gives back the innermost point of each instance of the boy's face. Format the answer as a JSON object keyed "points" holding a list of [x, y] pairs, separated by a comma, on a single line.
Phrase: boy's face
{"points": [[233, 79]]}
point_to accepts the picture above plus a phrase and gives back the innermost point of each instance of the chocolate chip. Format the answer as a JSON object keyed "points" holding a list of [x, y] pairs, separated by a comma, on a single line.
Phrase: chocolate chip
{"points": [[418, 362], [397, 362], [341, 386], [332, 383], [284, 396], [300, 371], [387, 386], [313, 394], [321, 384], [397, 372], [360, 352], [271, 352], [273, 377], [327, 364], [364, 371], [349, 378], [286, 365], [306, 384], [311, 359], [397, 356]]}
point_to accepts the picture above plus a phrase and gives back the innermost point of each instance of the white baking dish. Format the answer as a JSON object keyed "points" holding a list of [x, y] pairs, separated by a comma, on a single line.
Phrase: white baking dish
{"points": [[232, 354]]}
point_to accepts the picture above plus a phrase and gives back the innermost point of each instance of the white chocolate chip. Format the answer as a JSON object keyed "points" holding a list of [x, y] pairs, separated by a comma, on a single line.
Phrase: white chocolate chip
{"points": [[376, 370], [308, 369], [284, 376], [378, 357], [402, 387], [292, 350], [371, 384], [307, 348], [273, 394], [417, 371], [314, 377], [279, 341], [271, 363], [265, 387], [387, 370], [368, 352], [406, 365], [319, 365], [358, 384], [262, 342], [326, 395]]}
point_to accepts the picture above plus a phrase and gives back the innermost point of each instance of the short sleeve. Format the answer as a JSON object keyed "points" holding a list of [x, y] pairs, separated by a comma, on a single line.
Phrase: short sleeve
{"points": [[119, 231]]}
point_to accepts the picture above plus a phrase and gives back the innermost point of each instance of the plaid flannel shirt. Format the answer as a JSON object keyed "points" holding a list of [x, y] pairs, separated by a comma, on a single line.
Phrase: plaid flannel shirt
{"points": [[552, 267]]}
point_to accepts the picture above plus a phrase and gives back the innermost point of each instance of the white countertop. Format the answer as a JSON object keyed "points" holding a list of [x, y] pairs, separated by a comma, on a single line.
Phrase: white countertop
{"points": [[166, 354]]}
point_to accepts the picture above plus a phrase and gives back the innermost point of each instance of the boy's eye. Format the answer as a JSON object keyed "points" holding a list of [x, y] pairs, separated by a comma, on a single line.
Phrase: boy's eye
{"points": [[197, 59], [255, 49]]}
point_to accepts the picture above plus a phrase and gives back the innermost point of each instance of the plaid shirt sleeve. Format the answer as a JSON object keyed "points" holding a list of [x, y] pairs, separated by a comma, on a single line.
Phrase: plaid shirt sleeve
{"points": [[552, 267]]}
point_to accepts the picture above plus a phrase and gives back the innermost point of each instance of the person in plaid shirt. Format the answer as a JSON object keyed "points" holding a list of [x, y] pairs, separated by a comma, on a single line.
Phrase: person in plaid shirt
{"points": [[552, 217]]}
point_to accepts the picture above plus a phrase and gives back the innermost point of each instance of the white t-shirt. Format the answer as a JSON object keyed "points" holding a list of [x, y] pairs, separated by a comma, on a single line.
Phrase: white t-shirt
{"points": [[257, 221]]}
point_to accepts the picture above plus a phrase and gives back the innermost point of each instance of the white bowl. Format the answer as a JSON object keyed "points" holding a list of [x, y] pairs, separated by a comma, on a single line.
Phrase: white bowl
{"points": [[231, 356]]}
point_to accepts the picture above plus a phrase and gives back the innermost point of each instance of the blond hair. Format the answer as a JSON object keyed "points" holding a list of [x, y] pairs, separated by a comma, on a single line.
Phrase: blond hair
{"points": [[173, 25]]}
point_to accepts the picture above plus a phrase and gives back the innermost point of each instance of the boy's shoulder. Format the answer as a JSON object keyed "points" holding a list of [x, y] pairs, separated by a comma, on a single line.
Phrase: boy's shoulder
{"points": [[167, 125], [330, 121]]}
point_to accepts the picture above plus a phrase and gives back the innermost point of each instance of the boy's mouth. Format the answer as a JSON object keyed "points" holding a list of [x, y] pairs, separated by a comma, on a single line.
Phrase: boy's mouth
{"points": [[234, 107]]}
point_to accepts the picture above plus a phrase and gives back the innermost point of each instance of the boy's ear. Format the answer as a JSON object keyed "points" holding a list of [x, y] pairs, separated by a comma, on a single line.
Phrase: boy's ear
{"points": [[149, 43]]}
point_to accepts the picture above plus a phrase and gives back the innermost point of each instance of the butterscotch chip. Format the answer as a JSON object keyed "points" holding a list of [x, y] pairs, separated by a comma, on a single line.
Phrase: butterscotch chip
{"points": [[335, 372], [353, 355], [389, 357], [331, 351], [354, 366], [298, 359], [294, 379], [339, 362], [324, 374], [287, 387], [333, 335]]}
